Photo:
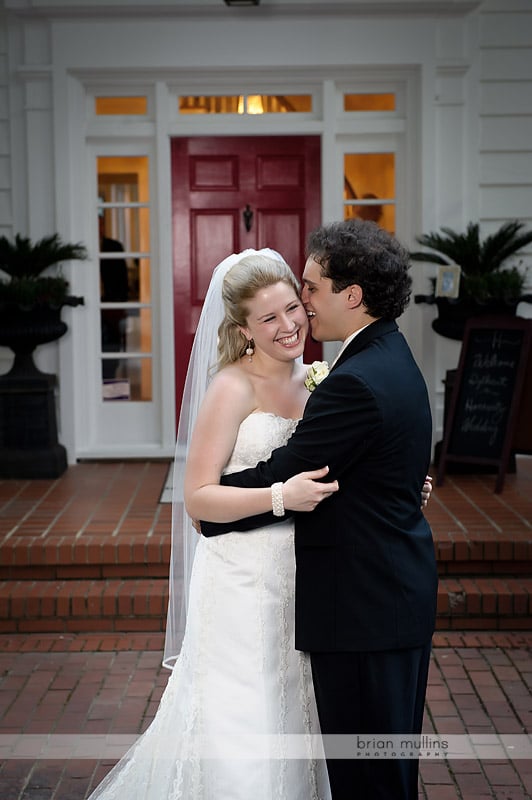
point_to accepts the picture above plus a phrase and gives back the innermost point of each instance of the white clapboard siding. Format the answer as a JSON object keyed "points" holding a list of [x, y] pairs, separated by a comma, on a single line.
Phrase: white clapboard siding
{"points": [[506, 29], [499, 98], [505, 124], [503, 168], [506, 133], [5, 150], [505, 201], [6, 216], [506, 63]]}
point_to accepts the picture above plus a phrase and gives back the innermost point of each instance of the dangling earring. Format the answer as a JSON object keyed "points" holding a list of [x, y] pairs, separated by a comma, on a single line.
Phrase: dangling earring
{"points": [[250, 349]]}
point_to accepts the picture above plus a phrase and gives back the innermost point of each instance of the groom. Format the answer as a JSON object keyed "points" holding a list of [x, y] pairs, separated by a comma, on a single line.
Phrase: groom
{"points": [[366, 573]]}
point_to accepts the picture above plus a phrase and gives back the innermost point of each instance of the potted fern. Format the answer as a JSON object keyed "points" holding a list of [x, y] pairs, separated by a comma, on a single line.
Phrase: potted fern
{"points": [[485, 286], [30, 301]]}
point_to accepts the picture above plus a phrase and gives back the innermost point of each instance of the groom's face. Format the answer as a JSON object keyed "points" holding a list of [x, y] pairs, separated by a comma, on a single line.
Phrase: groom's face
{"points": [[325, 308]]}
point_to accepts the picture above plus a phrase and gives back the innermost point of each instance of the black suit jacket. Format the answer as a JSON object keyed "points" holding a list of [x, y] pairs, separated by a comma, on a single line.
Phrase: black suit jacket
{"points": [[366, 571]]}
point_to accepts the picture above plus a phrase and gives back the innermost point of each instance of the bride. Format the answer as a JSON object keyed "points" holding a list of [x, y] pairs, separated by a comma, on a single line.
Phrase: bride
{"points": [[238, 685]]}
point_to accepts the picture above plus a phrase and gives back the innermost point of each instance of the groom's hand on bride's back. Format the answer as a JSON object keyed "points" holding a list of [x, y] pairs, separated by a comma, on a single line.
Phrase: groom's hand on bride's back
{"points": [[425, 492], [305, 490]]}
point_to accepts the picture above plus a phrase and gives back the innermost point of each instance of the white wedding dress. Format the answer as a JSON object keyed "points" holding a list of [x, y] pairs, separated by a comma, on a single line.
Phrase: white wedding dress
{"points": [[238, 682]]}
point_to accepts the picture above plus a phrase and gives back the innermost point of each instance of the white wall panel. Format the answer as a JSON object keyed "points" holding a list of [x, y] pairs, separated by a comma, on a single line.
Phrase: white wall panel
{"points": [[506, 97], [5, 176], [506, 64], [4, 100], [37, 42], [506, 133], [197, 43], [4, 139], [40, 161], [6, 204], [450, 39], [504, 168], [447, 196], [510, 30], [5, 207], [505, 188], [508, 202]]}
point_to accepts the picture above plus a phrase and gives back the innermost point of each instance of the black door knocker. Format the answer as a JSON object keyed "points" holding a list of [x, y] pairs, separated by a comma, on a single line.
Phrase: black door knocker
{"points": [[248, 217]]}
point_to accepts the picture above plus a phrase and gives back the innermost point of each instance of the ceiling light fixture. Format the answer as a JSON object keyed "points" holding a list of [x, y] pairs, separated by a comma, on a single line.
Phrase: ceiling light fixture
{"points": [[240, 3]]}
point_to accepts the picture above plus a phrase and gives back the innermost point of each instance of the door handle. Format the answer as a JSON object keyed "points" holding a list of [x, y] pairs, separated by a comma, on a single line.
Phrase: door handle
{"points": [[247, 214]]}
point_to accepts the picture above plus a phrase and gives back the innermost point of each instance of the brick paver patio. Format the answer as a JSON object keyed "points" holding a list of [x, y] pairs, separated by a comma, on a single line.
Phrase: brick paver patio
{"points": [[106, 684]]}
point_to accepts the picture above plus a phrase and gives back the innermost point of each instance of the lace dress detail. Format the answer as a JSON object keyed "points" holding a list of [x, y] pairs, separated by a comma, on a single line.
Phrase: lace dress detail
{"points": [[238, 677]]}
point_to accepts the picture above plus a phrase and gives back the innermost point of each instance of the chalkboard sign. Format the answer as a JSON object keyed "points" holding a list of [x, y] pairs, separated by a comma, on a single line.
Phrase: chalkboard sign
{"points": [[486, 394]]}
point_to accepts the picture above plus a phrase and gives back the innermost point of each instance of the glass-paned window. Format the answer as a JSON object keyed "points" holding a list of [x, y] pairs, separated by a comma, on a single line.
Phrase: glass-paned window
{"points": [[369, 102], [121, 106], [369, 188], [246, 104], [125, 278]]}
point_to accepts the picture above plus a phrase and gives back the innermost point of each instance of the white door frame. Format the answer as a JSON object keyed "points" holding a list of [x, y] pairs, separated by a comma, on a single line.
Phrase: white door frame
{"points": [[125, 429]]}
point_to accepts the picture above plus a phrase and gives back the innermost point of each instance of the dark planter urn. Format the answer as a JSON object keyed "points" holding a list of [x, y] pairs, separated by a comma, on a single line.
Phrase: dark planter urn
{"points": [[23, 329], [29, 447], [453, 314]]}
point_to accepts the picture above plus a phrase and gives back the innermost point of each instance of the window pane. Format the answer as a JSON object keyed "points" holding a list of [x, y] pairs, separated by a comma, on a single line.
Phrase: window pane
{"points": [[123, 179], [384, 215], [123, 279], [296, 102], [129, 227], [369, 178], [121, 105], [209, 104], [369, 102], [139, 280], [125, 330], [245, 104], [132, 380], [278, 103]]}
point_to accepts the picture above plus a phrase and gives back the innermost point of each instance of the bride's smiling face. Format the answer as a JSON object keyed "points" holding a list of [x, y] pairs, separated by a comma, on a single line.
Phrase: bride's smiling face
{"points": [[277, 322]]}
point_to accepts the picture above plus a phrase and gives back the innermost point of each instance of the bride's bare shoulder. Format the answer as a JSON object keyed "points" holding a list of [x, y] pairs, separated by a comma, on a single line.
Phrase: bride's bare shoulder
{"points": [[232, 385]]}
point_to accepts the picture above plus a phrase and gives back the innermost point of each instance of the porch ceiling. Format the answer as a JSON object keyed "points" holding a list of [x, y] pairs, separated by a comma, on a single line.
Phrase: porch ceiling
{"points": [[267, 8]]}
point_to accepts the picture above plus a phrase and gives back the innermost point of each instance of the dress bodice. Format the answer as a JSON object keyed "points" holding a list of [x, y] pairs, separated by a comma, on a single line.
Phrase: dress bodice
{"points": [[259, 434]]}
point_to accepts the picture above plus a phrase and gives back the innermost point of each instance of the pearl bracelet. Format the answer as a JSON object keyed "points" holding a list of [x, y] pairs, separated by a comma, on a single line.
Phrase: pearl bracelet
{"points": [[277, 500]]}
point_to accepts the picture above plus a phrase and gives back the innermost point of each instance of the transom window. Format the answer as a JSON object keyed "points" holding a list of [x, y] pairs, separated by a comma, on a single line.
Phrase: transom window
{"points": [[121, 106], [369, 102], [245, 104]]}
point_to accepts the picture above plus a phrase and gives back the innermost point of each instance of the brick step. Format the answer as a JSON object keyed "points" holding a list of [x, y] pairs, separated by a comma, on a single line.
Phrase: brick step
{"points": [[136, 604], [507, 552], [102, 556], [139, 604], [90, 557], [497, 602]]}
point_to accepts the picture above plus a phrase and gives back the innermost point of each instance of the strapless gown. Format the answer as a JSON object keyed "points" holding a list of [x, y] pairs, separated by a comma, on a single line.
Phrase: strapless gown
{"points": [[238, 681]]}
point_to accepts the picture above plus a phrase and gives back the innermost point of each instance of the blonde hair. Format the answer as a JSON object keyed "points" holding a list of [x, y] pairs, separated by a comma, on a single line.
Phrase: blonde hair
{"points": [[242, 283]]}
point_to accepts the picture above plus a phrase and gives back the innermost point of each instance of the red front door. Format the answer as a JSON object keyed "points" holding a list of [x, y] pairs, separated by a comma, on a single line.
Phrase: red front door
{"points": [[231, 193]]}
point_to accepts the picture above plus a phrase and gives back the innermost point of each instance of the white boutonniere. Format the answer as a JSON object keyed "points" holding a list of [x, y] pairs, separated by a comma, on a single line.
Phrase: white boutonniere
{"points": [[316, 373]]}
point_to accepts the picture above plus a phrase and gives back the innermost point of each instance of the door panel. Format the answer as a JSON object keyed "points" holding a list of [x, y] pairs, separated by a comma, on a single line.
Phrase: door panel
{"points": [[215, 181], [287, 227]]}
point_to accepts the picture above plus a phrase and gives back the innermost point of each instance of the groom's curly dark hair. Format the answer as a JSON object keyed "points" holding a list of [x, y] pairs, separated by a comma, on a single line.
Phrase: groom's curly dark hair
{"points": [[357, 251]]}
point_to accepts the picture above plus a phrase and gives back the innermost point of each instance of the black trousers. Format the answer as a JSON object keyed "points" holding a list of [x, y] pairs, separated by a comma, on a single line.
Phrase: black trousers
{"points": [[371, 693]]}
